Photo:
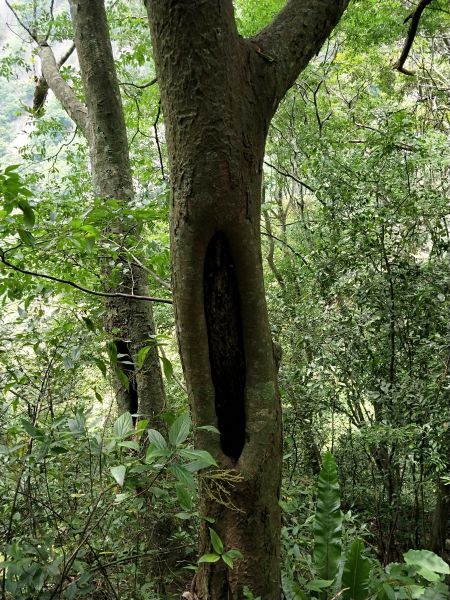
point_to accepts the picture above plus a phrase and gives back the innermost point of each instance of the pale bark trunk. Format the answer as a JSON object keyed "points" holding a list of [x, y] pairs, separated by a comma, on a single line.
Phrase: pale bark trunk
{"points": [[129, 322]]}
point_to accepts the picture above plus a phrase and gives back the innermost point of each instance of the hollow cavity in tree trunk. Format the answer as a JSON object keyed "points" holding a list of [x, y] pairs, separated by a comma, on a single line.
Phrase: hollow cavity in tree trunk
{"points": [[226, 348]]}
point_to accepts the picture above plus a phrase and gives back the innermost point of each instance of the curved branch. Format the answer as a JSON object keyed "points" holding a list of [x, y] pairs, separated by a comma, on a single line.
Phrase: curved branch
{"points": [[75, 109], [412, 31], [80, 287]]}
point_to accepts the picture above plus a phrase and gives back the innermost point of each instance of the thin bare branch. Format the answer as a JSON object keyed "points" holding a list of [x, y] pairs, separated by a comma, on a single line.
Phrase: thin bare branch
{"points": [[141, 86], [80, 287]]}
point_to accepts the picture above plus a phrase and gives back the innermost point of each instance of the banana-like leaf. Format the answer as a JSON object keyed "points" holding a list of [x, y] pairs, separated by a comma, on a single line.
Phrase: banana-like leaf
{"points": [[356, 573], [327, 521]]}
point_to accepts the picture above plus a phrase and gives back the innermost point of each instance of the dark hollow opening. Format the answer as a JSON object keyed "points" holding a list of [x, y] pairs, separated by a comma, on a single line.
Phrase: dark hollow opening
{"points": [[226, 348], [126, 365]]}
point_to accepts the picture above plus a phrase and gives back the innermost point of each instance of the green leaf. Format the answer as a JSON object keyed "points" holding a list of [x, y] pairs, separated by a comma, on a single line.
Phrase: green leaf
{"points": [[234, 553], [179, 429], [184, 516], [183, 476], [209, 558], [141, 356], [428, 562], [156, 439], [210, 428], [317, 585], [130, 444], [101, 365], [201, 459], [28, 214], [122, 377], [118, 473], [438, 591], [216, 542], [167, 367], [89, 324], [327, 521], [356, 572], [26, 237], [153, 453], [31, 429], [389, 592], [123, 425], [227, 560], [184, 496]]}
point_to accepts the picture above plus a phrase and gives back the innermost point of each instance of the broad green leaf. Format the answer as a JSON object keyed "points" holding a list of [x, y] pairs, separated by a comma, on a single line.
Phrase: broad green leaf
{"points": [[216, 542], [327, 521], [123, 425], [32, 431], [427, 561], [356, 572], [234, 553], [154, 453], [209, 558], [184, 516], [183, 476], [118, 473], [438, 591], [202, 457], [141, 356], [156, 439], [227, 560], [179, 430]]}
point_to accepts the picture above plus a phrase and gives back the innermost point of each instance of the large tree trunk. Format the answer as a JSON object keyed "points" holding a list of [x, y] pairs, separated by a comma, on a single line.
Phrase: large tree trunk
{"points": [[128, 321], [218, 93]]}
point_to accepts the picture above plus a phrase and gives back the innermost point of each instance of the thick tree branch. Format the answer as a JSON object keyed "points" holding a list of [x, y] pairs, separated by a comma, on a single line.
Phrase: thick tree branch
{"points": [[295, 35], [412, 31], [41, 90], [62, 90], [80, 287]]}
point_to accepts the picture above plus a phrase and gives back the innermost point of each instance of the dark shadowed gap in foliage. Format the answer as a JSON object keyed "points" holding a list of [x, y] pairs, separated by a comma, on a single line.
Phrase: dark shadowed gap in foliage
{"points": [[226, 348], [126, 365]]}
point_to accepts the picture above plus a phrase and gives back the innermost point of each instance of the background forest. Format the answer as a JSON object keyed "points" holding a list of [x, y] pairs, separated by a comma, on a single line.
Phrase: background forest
{"points": [[99, 493]]}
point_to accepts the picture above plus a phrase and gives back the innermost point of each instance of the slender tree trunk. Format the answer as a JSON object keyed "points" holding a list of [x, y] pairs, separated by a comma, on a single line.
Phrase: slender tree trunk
{"points": [[219, 92], [129, 322], [440, 530]]}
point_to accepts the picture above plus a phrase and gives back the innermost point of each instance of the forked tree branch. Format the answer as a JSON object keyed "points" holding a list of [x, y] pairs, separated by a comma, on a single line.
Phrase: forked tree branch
{"points": [[412, 31], [294, 36]]}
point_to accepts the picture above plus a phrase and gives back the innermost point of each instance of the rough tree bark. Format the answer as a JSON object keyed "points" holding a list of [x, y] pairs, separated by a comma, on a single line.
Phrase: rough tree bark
{"points": [[219, 92], [101, 120]]}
